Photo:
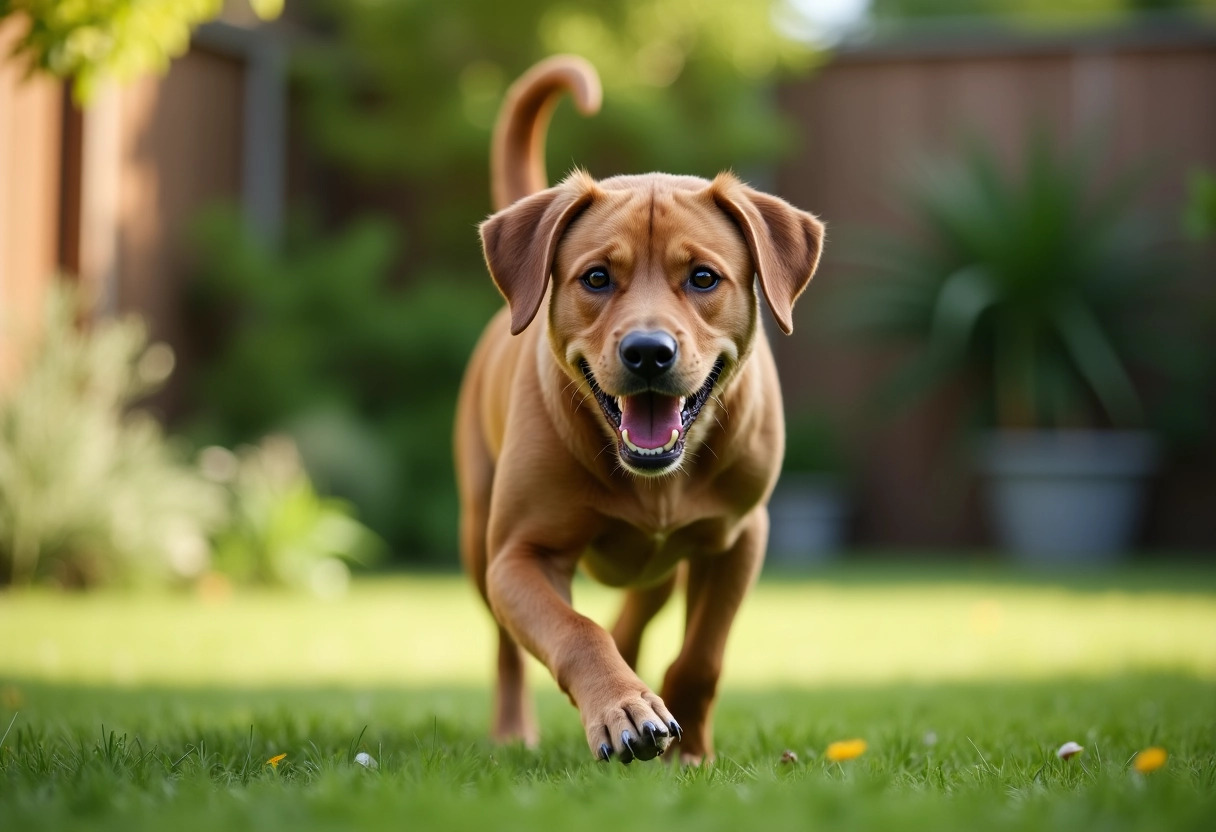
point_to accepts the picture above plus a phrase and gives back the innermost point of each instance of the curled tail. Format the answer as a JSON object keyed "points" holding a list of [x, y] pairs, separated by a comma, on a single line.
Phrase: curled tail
{"points": [[517, 155]]}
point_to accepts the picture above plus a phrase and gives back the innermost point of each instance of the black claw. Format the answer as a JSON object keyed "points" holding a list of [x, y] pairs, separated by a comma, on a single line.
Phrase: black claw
{"points": [[605, 751], [627, 752], [676, 731], [653, 732]]}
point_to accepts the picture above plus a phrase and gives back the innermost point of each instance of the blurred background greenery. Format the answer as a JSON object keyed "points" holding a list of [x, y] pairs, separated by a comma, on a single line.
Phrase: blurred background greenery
{"points": [[339, 323]]}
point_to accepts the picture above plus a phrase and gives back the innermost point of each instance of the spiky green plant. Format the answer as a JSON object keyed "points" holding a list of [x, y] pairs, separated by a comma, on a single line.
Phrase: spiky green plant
{"points": [[1030, 282]]}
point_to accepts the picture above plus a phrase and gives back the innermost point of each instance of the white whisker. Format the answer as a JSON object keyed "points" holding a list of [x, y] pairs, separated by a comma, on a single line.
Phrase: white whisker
{"points": [[607, 446], [573, 384]]}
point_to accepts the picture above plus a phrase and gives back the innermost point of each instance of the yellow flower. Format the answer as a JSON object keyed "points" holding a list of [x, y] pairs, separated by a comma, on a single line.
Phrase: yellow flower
{"points": [[845, 750], [1150, 759], [276, 759]]}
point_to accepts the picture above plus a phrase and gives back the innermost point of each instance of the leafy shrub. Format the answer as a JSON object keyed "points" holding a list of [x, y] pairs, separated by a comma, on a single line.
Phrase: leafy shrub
{"points": [[812, 444], [311, 341], [280, 532], [91, 491]]}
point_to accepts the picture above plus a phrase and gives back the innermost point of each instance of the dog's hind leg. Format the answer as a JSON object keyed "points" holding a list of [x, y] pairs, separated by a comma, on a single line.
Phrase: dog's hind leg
{"points": [[717, 584], [513, 716], [641, 605]]}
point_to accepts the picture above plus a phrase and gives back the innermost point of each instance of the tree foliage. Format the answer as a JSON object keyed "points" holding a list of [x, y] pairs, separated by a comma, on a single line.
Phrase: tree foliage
{"points": [[91, 40], [1029, 11], [404, 94]]}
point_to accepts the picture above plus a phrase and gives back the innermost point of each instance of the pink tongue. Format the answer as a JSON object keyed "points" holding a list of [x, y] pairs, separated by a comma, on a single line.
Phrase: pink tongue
{"points": [[650, 419]]}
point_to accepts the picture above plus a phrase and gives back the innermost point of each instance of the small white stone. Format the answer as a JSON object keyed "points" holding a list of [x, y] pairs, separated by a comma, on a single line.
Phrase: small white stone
{"points": [[366, 760], [1069, 749]]}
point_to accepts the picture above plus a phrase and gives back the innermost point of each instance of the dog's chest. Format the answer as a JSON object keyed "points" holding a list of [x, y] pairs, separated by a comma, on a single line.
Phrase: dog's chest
{"points": [[644, 548]]}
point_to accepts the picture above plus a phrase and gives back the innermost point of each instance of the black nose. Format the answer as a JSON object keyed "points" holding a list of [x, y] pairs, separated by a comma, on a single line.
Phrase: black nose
{"points": [[648, 354]]}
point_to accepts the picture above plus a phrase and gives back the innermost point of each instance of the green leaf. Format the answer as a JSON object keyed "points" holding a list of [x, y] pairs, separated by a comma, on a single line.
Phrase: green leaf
{"points": [[1199, 219], [963, 298], [912, 380], [1098, 362]]}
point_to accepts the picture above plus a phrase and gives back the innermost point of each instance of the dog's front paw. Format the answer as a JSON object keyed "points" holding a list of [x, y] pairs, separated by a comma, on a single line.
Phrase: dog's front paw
{"points": [[632, 726]]}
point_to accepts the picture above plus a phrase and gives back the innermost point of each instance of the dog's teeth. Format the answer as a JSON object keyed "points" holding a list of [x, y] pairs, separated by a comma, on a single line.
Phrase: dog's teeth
{"points": [[675, 434], [683, 400], [635, 448]]}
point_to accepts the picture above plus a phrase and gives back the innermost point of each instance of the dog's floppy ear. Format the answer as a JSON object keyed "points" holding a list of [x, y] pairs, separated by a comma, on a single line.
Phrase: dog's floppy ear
{"points": [[520, 243], [784, 242]]}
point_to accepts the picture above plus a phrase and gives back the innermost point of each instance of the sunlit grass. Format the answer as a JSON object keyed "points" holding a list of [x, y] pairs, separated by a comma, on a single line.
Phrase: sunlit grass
{"points": [[145, 712], [428, 630], [948, 756]]}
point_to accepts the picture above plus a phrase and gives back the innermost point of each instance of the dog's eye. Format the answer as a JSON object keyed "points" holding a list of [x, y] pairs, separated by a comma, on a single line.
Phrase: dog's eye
{"points": [[596, 279], [704, 279]]}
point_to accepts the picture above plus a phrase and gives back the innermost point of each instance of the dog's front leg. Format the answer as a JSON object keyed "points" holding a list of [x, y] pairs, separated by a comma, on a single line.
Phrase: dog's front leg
{"points": [[717, 584], [529, 592]]}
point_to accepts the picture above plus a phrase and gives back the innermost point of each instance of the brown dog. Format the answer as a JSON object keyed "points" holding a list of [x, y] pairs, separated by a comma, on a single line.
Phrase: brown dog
{"points": [[633, 426]]}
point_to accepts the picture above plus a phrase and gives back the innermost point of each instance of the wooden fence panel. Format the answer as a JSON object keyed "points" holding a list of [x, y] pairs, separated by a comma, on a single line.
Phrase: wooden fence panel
{"points": [[31, 118]]}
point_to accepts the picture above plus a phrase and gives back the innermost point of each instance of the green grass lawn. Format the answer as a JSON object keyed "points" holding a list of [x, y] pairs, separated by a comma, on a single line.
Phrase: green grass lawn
{"points": [[160, 712]]}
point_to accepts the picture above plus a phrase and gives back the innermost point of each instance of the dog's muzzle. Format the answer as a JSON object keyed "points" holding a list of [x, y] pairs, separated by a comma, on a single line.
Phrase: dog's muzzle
{"points": [[651, 426]]}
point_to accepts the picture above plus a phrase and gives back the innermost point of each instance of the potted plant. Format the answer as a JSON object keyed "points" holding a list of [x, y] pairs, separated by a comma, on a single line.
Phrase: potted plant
{"points": [[808, 509], [1031, 286]]}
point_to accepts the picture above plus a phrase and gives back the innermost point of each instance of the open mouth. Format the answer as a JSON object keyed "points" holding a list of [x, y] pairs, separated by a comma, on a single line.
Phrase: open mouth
{"points": [[652, 427]]}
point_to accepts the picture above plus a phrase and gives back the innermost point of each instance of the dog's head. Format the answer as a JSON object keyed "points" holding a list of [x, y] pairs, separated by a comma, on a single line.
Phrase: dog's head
{"points": [[652, 307]]}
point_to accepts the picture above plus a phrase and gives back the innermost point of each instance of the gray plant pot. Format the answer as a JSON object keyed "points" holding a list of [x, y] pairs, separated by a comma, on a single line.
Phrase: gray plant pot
{"points": [[807, 515], [1069, 496]]}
